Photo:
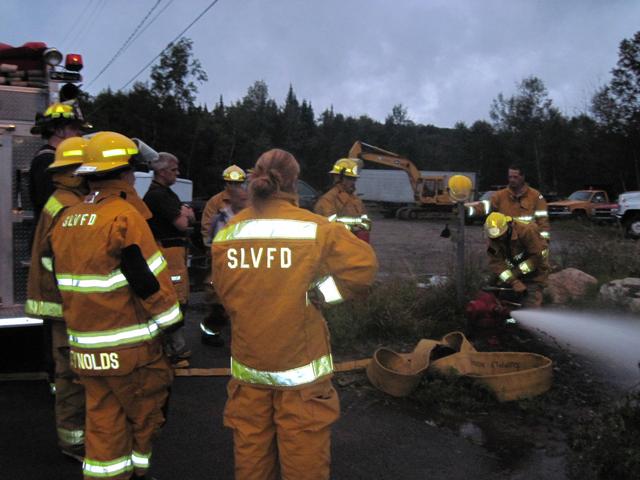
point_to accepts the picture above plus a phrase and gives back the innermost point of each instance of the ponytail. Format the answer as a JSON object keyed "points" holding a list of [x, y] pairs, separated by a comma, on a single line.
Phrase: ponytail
{"points": [[276, 170]]}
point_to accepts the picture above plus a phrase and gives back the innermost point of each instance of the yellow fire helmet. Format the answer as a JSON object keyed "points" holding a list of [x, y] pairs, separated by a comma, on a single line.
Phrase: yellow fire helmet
{"points": [[234, 174], [70, 152], [496, 224], [59, 114], [60, 110], [347, 167], [106, 152], [460, 187]]}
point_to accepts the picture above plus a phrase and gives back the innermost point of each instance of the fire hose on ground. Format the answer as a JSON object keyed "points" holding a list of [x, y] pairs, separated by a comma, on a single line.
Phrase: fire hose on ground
{"points": [[509, 375]]}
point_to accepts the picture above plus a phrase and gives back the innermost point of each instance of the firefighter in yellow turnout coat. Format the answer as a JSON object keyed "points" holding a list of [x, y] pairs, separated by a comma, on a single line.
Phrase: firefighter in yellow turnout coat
{"points": [[117, 298], [233, 177], [269, 263], [518, 256], [522, 203], [341, 204], [528, 207], [44, 300]]}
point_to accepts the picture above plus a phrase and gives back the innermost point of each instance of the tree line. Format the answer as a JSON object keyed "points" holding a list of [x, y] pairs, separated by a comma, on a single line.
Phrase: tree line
{"points": [[559, 153]]}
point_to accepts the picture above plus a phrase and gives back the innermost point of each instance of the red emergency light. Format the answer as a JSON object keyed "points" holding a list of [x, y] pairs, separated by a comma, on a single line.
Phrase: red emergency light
{"points": [[73, 62]]}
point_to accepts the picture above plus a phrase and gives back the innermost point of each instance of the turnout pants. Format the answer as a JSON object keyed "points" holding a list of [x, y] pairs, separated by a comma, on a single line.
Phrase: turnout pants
{"points": [[176, 258], [124, 414], [216, 316], [281, 432], [69, 406]]}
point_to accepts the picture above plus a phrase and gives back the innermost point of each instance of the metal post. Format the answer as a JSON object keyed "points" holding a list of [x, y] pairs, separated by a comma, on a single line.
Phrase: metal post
{"points": [[460, 255], [6, 222]]}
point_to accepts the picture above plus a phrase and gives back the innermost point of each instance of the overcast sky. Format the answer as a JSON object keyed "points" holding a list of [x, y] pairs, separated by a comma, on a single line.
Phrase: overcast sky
{"points": [[445, 60]]}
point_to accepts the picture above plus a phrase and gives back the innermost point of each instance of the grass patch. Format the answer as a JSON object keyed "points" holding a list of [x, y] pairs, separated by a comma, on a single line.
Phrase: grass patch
{"points": [[397, 310], [446, 394], [606, 445], [597, 250]]}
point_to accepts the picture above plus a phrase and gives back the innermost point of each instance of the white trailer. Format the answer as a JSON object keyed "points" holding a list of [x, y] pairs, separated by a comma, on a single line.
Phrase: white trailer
{"points": [[391, 189]]}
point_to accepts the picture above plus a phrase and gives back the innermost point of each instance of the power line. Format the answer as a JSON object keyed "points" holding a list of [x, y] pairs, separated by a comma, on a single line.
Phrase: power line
{"points": [[167, 5], [77, 24], [209, 7], [83, 25], [126, 42], [93, 16]]}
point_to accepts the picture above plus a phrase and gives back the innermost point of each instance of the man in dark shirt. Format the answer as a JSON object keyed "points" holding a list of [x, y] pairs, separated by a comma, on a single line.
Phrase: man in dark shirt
{"points": [[169, 225], [58, 122]]}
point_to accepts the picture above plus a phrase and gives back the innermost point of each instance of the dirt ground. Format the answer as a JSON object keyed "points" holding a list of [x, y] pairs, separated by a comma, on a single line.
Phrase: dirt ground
{"points": [[415, 248]]}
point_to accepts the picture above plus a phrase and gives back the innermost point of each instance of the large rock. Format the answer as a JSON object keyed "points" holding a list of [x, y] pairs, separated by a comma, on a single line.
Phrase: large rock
{"points": [[569, 284], [624, 290]]}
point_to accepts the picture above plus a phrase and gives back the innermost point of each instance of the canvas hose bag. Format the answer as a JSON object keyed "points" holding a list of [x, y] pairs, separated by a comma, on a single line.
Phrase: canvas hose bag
{"points": [[509, 375]]}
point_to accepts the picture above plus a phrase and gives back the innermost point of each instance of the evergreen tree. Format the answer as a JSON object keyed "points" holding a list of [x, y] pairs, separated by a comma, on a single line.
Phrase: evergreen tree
{"points": [[617, 105], [174, 78], [521, 119]]}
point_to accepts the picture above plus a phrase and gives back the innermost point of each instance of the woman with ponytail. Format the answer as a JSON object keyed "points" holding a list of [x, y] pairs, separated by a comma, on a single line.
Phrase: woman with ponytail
{"points": [[275, 171], [275, 265]]}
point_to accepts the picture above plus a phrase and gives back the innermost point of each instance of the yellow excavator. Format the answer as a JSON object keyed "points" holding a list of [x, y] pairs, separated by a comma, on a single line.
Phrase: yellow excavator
{"points": [[429, 192]]}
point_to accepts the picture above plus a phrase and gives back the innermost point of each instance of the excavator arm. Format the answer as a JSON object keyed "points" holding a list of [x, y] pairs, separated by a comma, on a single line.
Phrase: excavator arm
{"points": [[428, 192], [370, 153]]}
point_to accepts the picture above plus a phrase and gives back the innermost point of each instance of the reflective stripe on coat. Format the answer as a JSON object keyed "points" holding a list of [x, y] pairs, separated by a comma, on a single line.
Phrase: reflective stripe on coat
{"points": [[43, 297], [528, 207], [528, 259]]}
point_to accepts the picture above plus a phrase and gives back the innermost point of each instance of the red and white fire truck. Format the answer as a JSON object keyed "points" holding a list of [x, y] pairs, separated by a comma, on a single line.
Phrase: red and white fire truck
{"points": [[32, 76]]}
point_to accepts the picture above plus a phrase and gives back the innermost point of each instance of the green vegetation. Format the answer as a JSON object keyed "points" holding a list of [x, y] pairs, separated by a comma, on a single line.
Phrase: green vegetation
{"points": [[606, 445], [598, 250], [397, 310]]}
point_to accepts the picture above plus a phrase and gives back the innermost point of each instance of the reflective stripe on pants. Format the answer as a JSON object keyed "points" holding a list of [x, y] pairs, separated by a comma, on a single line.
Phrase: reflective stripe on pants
{"points": [[177, 263], [124, 413]]}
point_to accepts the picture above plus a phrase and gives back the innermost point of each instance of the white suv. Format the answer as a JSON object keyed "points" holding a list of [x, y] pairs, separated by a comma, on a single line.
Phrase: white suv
{"points": [[628, 213]]}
